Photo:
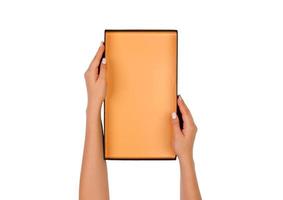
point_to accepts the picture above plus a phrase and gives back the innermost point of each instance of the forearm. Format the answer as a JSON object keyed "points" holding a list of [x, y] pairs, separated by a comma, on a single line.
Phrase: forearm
{"points": [[189, 184], [93, 184], [94, 136]]}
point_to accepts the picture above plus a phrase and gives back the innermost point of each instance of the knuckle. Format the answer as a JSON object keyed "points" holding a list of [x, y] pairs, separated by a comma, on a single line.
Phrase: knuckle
{"points": [[86, 74], [194, 127], [176, 127], [175, 122]]}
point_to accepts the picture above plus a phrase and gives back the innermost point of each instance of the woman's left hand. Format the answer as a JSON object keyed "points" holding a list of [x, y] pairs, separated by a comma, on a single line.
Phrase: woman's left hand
{"points": [[95, 79]]}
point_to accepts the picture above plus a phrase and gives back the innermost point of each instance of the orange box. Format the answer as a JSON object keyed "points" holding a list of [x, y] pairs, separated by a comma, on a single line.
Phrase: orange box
{"points": [[141, 94]]}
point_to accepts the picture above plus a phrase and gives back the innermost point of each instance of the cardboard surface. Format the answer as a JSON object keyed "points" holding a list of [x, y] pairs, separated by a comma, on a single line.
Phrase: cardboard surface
{"points": [[141, 76]]}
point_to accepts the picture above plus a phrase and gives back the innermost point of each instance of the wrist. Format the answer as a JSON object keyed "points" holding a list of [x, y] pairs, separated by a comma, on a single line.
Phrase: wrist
{"points": [[94, 107], [94, 104], [186, 159]]}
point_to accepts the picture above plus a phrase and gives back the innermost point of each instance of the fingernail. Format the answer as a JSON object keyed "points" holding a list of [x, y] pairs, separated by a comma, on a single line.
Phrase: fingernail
{"points": [[180, 98], [101, 43], [174, 115], [104, 61]]}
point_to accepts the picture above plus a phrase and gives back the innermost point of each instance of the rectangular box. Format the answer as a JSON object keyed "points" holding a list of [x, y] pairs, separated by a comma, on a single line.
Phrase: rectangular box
{"points": [[141, 94]]}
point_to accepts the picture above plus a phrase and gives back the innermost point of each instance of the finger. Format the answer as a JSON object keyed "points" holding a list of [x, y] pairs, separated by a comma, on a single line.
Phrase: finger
{"points": [[175, 123], [97, 58], [186, 114], [102, 69]]}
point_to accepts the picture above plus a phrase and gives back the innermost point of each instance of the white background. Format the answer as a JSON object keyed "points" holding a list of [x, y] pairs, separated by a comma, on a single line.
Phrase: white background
{"points": [[230, 74]]}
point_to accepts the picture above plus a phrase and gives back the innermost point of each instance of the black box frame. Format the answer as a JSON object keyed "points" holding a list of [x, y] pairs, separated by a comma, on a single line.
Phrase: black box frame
{"points": [[177, 109]]}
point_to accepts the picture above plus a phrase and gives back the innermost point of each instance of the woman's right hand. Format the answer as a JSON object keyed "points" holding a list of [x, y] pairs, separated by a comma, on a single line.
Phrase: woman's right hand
{"points": [[183, 140]]}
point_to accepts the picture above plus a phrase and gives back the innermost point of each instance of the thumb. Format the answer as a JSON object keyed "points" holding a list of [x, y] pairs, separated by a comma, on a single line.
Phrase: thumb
{"points": [[175, 123], [102, 69]]}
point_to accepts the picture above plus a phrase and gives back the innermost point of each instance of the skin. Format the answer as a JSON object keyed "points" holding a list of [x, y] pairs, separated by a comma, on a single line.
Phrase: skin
{"points": [[94, 179], [183, 141]]}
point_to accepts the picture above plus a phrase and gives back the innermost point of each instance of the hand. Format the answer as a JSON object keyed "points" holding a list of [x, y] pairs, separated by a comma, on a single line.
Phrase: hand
{"points": [[183, 140], [95, 79]]}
